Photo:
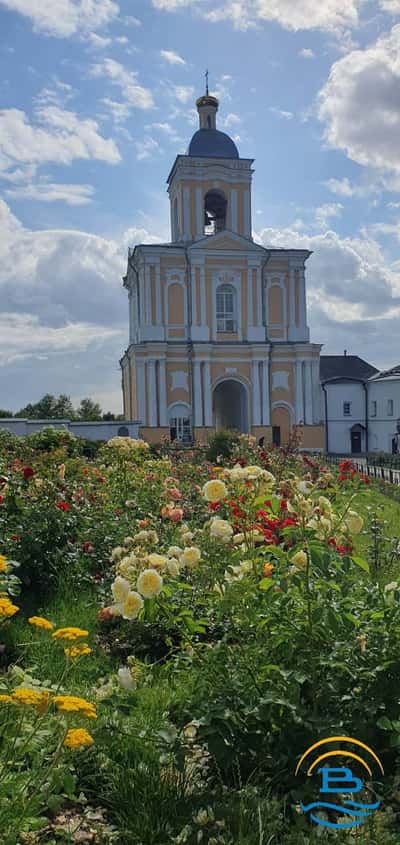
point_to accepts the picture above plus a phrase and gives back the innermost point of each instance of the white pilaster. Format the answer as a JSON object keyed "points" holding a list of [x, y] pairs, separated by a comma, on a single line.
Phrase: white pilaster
{"points": [[299, 391], [249, 298], [303, 305], [186, 215], [246, 214], [255, 382], [162, 387], [152, 393], [308, 393], [158, 296], [292, 302], [234, 210], [141, 391], [208, 416], [199, 214], [317, 392], [147, 296], [198, 398], [266, 405]]}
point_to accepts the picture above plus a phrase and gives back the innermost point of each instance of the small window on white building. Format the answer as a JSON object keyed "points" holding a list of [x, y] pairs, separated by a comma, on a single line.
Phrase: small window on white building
{"points": [[390, 407], [373, 408], [226, 309], [180, 429], [347, 409]]}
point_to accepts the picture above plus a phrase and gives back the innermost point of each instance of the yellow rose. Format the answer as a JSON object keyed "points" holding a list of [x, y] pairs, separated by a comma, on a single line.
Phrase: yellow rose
{"points": [[157, 561], [215, 491], [299, 560], [190, 556], [149, 583], [132, 605], [120, 589], [220, 529], [354, 522]]}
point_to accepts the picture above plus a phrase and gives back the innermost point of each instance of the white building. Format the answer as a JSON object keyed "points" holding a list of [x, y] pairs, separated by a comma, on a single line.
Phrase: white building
{"points": [[362, 406], [384, 411]]}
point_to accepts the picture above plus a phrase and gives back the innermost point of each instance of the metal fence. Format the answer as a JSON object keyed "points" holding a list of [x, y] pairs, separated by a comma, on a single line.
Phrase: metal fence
{"points": [[392, 476]]}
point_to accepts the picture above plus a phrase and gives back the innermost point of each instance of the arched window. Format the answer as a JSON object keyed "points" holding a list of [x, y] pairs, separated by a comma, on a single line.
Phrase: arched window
{"points": [[180, 426], [226, 309], [214, 212]]}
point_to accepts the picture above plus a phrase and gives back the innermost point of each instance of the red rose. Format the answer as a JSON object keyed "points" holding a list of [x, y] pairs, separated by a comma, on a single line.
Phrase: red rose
{"points": [[27, 472], [62, 506], [15, 537], [1, 500], [87, 546]]}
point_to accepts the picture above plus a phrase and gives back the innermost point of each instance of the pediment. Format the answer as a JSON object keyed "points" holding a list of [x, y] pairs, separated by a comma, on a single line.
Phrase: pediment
{"points": [[226, 240]]}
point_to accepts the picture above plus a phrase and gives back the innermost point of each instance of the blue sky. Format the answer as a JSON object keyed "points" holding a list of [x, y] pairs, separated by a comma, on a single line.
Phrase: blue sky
{"points": [[97, 97]]}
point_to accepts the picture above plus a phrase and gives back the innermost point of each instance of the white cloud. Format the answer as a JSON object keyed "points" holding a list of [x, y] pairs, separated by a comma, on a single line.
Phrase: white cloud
{"points": [[130, 20], [343, 273], [133, 93], [172, 58], [183, 93], [147, 148], [100, 42], [392, 6], [331, 16], [345, 188], [63, 18], [359, 104], [60, 136], [23, 336], [64, 313], [287, 115], [119, 111], [53, 192], [231, 119], [307, 53], [324, 213]]}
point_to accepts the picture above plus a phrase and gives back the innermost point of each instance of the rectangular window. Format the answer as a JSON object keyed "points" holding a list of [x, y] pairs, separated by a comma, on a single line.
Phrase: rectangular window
{"points": [[347, 409], [390, 407], [226, 311], [373, 408]]}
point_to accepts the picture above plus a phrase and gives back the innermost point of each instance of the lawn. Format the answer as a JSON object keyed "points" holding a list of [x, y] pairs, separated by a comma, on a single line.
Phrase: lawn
{"points": [[178, 627]]}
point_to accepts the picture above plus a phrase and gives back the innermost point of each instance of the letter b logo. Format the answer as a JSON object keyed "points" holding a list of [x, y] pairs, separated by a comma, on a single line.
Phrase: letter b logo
{"points": [[339, 780]]}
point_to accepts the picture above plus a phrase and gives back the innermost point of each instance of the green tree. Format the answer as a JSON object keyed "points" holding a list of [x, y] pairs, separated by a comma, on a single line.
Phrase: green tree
{"points": [[4, 414], [49, 407], [89, 411]]}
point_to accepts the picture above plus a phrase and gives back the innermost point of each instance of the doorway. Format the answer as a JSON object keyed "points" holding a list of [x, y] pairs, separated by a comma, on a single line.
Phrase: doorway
{"points": [[230, 406], [355, 442]]}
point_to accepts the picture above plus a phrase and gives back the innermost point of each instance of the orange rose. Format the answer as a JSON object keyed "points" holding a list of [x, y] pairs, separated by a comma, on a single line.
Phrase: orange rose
{"points": [[268, 570]]}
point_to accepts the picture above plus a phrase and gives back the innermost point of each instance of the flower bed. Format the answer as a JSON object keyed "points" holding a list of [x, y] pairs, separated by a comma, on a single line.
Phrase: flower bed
{"points": [[177, 632]]}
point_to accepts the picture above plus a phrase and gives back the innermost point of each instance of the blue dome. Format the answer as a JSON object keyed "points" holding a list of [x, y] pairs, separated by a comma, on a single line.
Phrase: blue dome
{"points": [[211, 143]]}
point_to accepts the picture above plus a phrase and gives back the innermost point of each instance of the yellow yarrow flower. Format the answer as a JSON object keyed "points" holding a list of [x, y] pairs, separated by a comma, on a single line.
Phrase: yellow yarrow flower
{"points": [[70, 634], [78, 738], [41, 622], [7, 608], [78, 650], [31, 698], [3, 563], [5, 699], [73, 704]]}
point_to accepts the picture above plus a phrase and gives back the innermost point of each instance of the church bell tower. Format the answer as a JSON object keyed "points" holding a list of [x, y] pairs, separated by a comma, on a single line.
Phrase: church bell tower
{"points": [[218, 323]]}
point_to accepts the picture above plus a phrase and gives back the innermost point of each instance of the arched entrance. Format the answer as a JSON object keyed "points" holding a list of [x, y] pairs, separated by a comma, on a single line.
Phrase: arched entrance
{"points": [[230, 406], [281, 425]]}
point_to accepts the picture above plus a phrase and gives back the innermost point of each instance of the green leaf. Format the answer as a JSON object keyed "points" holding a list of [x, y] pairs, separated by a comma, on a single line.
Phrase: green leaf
{"points": [[265, 584], [359, 561], [384, 723]]}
